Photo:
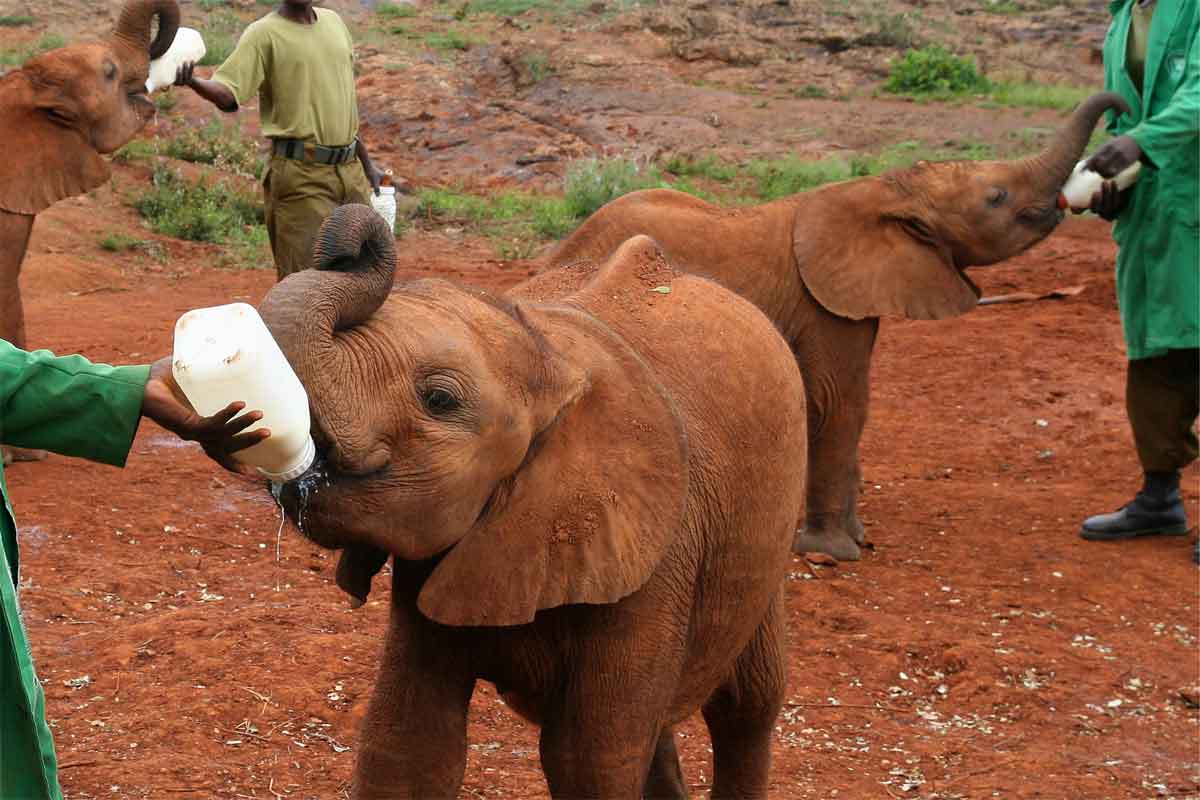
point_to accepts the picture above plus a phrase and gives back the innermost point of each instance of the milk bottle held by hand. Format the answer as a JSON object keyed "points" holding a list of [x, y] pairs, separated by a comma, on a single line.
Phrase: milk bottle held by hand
{"points": [[187, 45], [384, 203], [225, 354], [1084, 183]]}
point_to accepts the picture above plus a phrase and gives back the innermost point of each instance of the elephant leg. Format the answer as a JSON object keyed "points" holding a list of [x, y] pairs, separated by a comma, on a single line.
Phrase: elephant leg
{"points": [[835, 359], [413, 741], [741, 713], [665, 781], [14, 239]]}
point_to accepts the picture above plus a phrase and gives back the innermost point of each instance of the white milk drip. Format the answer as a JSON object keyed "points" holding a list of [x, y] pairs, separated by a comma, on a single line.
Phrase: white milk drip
{"points": [[188, 45], [225, 354]]}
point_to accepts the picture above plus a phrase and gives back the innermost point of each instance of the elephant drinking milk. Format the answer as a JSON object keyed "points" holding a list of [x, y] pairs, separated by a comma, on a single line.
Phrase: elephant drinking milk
{"points": [[575, 512], [824, 265]]}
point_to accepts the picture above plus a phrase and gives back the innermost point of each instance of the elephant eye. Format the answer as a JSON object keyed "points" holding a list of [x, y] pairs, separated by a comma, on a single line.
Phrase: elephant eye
{"points": [[440, 402], [996, 197], [110, 70]]}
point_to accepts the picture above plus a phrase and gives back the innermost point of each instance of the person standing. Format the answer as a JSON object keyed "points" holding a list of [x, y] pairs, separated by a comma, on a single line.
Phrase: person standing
{"points": [[1152, 58], [299, 60], [72, 407]]}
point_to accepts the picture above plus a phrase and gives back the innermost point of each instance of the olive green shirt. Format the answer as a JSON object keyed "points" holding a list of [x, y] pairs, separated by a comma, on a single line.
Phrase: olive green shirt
{"points": [[303, 75]]}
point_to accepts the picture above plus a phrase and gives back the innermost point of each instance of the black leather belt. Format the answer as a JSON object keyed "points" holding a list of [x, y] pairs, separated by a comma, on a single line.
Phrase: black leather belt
{"points": [[317, 153]]}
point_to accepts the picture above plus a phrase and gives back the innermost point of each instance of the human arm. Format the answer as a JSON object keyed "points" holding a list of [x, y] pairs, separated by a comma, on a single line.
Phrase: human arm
{"points": [[373, 173], [76, 408], [214, 92]]}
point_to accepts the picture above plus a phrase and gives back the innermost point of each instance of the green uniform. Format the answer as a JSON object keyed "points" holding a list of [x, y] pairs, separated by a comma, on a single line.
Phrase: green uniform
{"points": [[76, 408], [1158, 265], [303, 76]]}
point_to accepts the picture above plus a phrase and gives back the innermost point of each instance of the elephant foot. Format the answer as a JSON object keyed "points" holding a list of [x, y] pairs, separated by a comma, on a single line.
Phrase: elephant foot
{"points": [[834, 543], [10, 454]]}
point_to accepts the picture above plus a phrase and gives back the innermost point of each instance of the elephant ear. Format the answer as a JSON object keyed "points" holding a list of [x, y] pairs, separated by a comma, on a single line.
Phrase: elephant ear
{"points": [[597, 502], [48, 161], [861, 264]]}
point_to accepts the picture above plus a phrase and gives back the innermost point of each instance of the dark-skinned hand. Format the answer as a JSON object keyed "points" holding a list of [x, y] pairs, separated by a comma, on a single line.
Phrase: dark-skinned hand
{"points": [[374, 175], [1114, 155], [183, 75], [1108, 202], [220, 435]]}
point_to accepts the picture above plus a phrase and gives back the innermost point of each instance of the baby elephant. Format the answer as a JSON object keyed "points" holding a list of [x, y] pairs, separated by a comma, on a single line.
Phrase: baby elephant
{"points": [[588, 488]]}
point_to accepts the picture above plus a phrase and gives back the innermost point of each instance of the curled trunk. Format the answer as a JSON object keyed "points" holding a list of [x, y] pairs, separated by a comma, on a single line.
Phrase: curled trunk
{"points": [[354, 263], [134, 24], [1053, 166]]}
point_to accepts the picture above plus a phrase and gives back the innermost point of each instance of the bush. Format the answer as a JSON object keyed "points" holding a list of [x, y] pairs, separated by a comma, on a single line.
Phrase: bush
{"points": [[16, 21], [218, 144], [935, 70], [197, 211], [591, 183], [708, 166], [389, 10], [135, 150], [18, 56]]}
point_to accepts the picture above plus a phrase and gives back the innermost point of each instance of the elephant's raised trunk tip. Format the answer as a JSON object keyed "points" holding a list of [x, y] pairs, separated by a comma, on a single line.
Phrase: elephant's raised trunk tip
{"points": [[1053, 166], [133, 26]]}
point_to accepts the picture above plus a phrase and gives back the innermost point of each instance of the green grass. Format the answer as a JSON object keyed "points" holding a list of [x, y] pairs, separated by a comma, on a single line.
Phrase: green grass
{"points": [[17, 56], [387, 10], [16, 21], [220, 31], [115, 242], [890, 30], [447, 40], [198, 211], [218, 144], [513, 8], [810, 92], [1032, 95], [708, 166], [135, 150], [165, 100], [935, 71], [209, 5]]}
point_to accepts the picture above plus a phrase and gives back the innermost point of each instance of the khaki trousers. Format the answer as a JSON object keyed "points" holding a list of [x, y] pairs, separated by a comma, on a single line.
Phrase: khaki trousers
{"points": [[299, 195], [1162, 398]]}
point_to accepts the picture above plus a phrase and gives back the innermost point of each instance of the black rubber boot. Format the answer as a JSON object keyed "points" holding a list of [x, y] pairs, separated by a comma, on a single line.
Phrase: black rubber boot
{"points": [[1157, 509]]}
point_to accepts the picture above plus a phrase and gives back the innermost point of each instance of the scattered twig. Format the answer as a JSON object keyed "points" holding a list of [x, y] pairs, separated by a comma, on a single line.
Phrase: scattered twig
{"points": [[892, 709], [975, 773], [69, 764], [1021, 297]]}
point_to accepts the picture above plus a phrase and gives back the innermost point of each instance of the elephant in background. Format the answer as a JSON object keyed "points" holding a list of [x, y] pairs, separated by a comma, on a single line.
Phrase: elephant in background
{"points": [[58, 113], [825, 264], [574, 512]]}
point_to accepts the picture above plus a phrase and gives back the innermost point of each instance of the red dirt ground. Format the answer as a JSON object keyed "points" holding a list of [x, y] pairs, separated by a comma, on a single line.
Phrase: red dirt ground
{"points": [[190, 649]]}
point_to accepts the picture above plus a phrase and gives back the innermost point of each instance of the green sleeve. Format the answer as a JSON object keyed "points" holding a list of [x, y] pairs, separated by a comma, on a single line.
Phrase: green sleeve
{"points": [[1177, 125], [69, 405], [245, 69]]}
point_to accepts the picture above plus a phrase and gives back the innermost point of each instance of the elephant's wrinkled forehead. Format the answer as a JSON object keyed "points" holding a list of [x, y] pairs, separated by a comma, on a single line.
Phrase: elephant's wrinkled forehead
{"points": [[435, 320]]}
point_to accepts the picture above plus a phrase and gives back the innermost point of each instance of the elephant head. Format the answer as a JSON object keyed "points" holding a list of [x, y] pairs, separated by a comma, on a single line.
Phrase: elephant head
{"points": [[65, 107], [897, 244], [491, 438]]}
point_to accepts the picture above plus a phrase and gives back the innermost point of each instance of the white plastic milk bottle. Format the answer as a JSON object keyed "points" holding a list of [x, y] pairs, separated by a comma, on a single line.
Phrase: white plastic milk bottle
{"points": [[1083, 183], [225, 354], [188, 45]]}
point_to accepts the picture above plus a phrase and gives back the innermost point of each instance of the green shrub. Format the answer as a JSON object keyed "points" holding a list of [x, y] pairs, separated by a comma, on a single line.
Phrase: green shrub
{"points": [[389, 10], [220, 31], [165, 100], [448, 40], [935, 70], [197, 211], [116, 242], [19, 55], [218, 144], [513, 8], [708, 166], [135, 150], [16, 21], [209, 5], [591, 183]]}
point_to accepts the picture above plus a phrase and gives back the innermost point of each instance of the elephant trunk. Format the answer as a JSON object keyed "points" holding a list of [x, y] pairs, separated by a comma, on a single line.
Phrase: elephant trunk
{"points": [[133, 26], [354, 263], [1051, 168]]}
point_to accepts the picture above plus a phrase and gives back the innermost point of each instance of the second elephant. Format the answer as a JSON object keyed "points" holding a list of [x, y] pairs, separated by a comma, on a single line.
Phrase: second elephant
{"points": [[824, 265]]}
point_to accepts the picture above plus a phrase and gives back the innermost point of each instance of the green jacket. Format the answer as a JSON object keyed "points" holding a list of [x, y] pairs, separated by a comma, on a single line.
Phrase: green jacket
{"points": [[76, 408], [1158, 264]]}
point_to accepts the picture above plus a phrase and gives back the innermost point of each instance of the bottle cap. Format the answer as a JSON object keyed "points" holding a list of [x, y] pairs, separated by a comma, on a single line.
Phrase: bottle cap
{"points": [[386, 180], [298, 467]]}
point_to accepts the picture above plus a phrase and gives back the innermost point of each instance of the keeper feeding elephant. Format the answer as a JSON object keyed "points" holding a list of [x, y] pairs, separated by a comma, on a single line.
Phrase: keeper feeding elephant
{"points": [[824, 265]]}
